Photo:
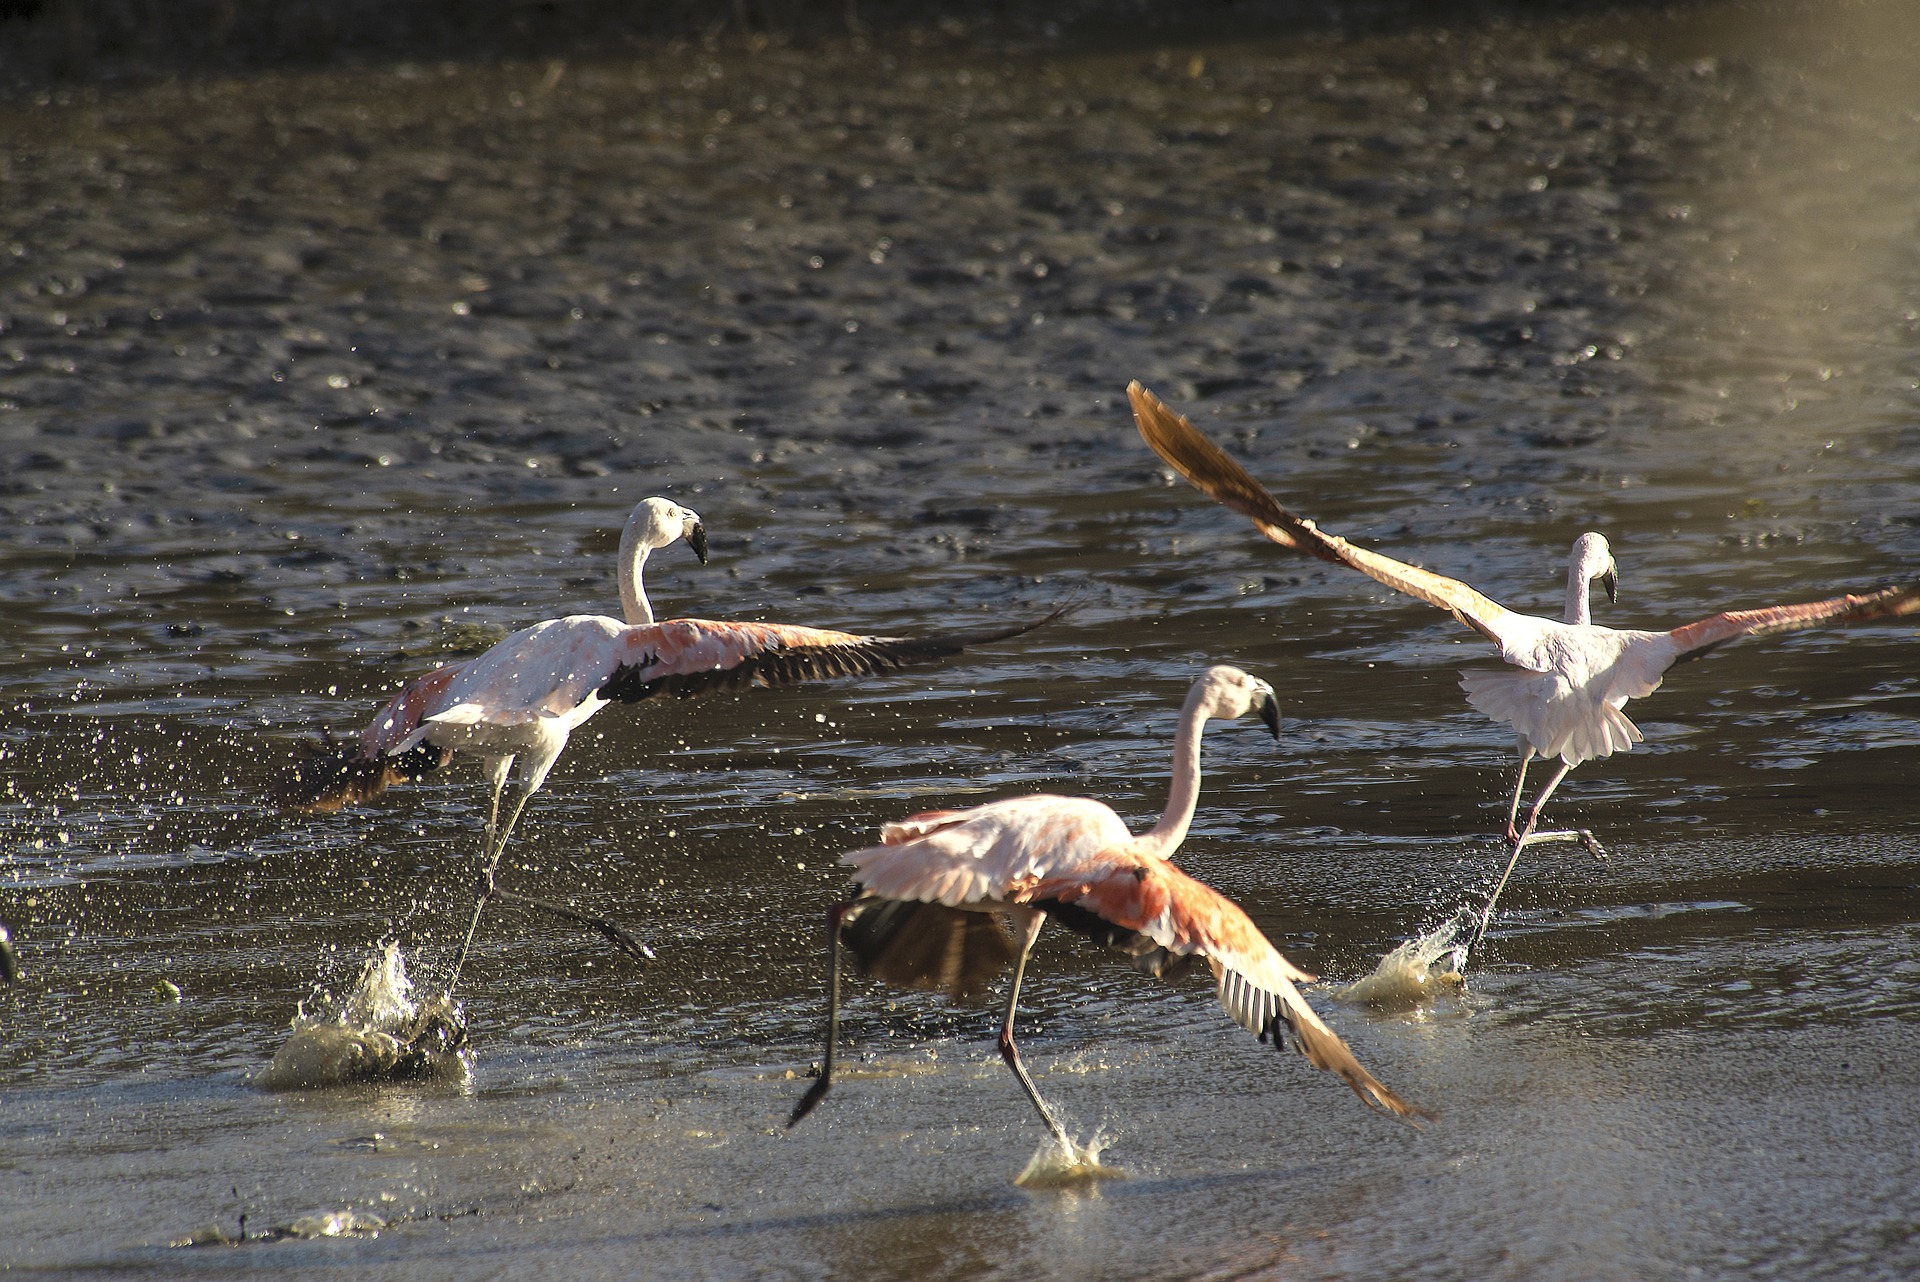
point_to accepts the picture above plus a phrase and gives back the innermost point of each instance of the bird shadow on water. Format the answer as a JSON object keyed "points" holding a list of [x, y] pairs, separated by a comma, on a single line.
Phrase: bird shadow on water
{"points": [[983, 1204]]}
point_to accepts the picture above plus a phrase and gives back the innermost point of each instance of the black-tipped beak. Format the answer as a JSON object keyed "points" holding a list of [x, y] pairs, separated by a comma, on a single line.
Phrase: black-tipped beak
{"points": [[1611, 583], [1270, 713], [697, 540]]}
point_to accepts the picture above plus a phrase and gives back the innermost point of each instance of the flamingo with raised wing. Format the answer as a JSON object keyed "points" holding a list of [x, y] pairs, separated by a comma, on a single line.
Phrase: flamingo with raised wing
{"points": [[932, 896], [522, 698], [1569, 679]]}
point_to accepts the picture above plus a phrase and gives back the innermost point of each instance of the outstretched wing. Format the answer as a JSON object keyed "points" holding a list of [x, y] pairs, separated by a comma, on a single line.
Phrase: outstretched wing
{"points": [[387, 752], [686, 657], [1152, 900], [1696, 638], [1223, 480]]}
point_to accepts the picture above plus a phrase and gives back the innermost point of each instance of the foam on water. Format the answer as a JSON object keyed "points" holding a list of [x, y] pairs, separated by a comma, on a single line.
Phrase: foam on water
{"points": [[379, 1033], [1418, 971]]}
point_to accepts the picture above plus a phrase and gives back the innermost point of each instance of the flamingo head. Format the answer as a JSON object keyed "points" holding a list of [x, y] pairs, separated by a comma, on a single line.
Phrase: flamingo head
{"points": [[1227, 692], [1593, 559], [661, 522]]}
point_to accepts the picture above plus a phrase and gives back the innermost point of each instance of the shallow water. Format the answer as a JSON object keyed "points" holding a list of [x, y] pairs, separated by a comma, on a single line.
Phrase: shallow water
{"points": [[310, 373]]}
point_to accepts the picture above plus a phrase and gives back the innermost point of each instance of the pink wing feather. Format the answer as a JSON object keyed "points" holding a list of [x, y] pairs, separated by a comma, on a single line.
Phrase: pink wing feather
{"points": [[1887, 603], [1255, 983], [1048, 851]]}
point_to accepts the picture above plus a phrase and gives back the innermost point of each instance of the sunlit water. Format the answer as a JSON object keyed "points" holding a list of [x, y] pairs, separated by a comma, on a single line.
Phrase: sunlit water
{"points": [[314, 378]]}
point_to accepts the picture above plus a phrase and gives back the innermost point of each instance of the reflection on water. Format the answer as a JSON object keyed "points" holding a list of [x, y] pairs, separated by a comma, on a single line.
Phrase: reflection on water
{"points": [[310, 374]]}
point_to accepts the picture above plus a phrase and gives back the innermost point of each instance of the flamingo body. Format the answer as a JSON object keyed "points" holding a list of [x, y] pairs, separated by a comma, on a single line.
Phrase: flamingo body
{"points": [[544, 681], [1564, 693], [1569, 678], [525, 696], [1074, 861]]}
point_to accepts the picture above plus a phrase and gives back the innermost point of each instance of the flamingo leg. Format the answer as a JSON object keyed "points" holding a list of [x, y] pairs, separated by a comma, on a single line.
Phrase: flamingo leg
{"points": [[611, 931], [1520, 842], [1010, 1052], [497, 768], [1520, 783], [534, 775], [496, 842], [824, 1083], [1581, 835]]}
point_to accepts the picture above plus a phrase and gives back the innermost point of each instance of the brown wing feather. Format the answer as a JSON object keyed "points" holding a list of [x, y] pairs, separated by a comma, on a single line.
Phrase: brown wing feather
{"points": [[792, 664], [1223, 480], [1322, 1047], [324, 784], [929, 946], [1887, 603]]}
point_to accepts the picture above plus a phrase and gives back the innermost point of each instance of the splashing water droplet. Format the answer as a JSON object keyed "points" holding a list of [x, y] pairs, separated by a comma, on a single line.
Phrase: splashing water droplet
{"points": [[1407, 977], [1053, 1166]]}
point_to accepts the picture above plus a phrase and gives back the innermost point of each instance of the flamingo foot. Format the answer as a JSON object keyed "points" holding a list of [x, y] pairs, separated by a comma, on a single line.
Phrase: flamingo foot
{"points": [[610, 931], [815, 1093]]}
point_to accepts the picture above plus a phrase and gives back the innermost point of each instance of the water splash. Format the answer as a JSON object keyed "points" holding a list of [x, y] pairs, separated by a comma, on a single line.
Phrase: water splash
{"points": [[1053, 1166], [315, 1224], [379, 1033], [1419, 970]]}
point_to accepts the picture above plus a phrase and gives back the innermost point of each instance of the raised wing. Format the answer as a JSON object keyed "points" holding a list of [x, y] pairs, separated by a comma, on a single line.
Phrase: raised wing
{"points": [[1125, 902], [1223, 480], [989, 853], [687, 657], [1696, 638]]}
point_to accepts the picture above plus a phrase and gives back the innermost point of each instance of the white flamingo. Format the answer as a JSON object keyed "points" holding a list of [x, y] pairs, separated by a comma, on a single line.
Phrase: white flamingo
{"points": [[522, 698], [933, 893], [1569, 678]]}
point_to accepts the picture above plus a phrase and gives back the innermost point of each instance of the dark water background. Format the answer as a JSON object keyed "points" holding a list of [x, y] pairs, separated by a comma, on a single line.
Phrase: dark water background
{"points": [[304, 371]]}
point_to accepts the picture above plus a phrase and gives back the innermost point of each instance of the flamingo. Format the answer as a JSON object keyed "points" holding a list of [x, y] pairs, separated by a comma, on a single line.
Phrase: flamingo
{"points": [[522, 698], [925, 893], [1569, 678]]}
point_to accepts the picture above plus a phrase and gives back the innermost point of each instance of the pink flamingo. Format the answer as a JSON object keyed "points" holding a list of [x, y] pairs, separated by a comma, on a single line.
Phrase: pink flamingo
{"points": [[522, 698], [1569, 677], [921, 917]]}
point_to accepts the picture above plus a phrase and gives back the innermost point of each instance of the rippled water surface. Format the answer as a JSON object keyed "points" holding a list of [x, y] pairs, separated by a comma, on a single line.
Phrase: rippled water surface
{"points": [[309, 378]]}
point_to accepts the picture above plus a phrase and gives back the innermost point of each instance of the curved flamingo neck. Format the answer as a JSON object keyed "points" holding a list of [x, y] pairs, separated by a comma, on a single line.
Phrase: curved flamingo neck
{"points": [[1184, 795], [633, 560], [1578, 611], [1591, 560]]}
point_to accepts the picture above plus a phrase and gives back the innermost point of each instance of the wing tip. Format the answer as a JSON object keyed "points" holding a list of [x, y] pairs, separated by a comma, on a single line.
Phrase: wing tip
{"points": [[323, 784], [1324, 1049]]}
